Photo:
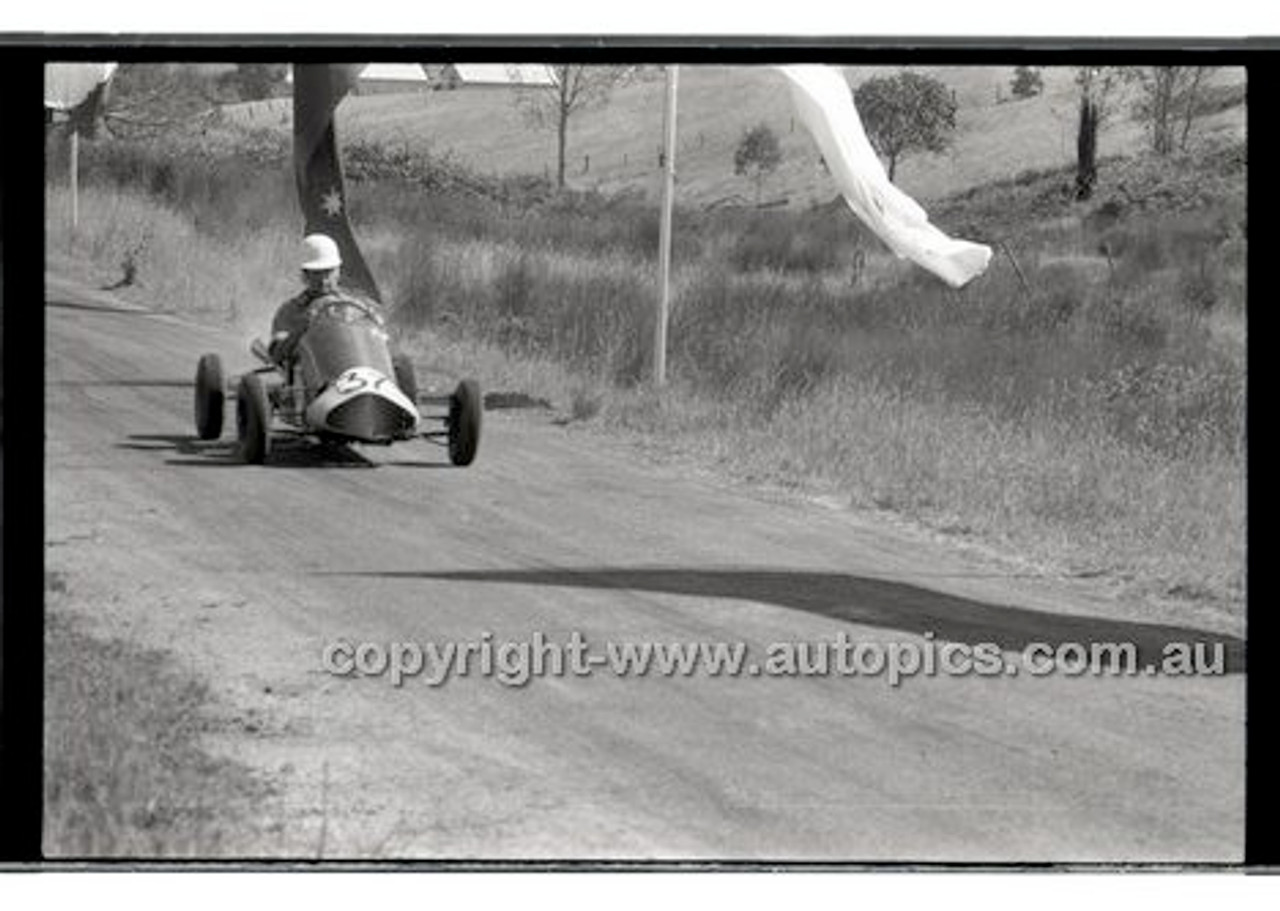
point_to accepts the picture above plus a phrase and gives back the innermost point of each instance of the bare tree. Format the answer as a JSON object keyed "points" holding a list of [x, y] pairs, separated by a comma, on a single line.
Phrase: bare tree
{"points": [[149, 98], [1168, 99], [254, 81], [577, 88]]}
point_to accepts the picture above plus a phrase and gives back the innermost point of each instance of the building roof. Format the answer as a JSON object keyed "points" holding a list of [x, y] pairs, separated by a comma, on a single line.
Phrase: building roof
{"points": [[475, 74], [409, 73], [395, 72], [501, 73]]}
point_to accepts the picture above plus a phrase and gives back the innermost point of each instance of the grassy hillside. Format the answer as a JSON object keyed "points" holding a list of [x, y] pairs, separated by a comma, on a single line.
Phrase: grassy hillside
{"points": [[484, 131]]}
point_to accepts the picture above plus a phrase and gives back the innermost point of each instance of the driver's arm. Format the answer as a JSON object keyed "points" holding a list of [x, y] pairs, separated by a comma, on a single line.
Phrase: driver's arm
{"points": [[289, 323], [275, 347]]}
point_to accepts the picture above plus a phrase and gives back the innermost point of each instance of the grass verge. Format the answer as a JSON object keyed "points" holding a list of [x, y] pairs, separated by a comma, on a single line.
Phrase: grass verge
{"points": [[125, 775]]}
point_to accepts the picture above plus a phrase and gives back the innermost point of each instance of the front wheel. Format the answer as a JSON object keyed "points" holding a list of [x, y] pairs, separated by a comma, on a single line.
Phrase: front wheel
{"points": [[210, 397], [253, 419], [465, 411]]}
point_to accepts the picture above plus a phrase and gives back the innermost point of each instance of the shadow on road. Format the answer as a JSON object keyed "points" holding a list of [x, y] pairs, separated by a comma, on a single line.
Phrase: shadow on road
{"points": [[420, 464], [99, 308], [182, 444], [162, 383], [286, 452], [871, 602]]}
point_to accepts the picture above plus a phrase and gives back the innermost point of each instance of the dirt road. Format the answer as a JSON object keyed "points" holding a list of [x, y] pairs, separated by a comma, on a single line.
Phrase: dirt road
{"points": [[245, 574]]}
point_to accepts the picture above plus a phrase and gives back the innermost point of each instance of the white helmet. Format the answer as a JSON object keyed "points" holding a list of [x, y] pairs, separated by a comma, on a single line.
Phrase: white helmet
{"points": [[320, 252]]}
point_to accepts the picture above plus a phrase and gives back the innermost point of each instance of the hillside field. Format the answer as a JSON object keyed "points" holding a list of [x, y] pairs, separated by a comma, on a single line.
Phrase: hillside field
{"points": [[483, 130]]}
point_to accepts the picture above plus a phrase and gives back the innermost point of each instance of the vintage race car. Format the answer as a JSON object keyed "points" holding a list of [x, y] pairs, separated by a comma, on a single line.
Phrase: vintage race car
{"points": [[344, 385]]}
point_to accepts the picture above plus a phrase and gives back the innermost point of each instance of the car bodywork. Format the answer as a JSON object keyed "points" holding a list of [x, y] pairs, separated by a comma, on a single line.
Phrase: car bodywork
{"points": [[345, 373]]}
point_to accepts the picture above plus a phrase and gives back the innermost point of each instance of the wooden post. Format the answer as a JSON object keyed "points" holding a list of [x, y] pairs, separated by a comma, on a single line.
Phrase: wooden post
{"points": [[664, 232], [75, 180]]}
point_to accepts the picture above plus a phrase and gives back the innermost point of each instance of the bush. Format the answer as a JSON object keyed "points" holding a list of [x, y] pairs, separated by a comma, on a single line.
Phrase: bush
{"points": [[757, 156], [807, 242], [1027, 82]]}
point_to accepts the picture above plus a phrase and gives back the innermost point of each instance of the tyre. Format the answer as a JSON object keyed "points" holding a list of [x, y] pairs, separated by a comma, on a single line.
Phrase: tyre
{"points": [[253, 419], [465, 410], [405, 377], [210, 397]]}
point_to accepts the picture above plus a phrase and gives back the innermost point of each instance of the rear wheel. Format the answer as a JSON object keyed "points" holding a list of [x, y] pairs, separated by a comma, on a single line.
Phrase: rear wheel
{"points": [[253, 419], [465, 410], [405, 377], [210, 397]]}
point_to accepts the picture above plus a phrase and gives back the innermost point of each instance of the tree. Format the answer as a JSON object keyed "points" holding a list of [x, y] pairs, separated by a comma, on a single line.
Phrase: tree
{"points": [[1097, 87], [148, 98], [577, 88], [1026, 82], [757, 156], [906, 113], [1167, 100], [254, 81]]}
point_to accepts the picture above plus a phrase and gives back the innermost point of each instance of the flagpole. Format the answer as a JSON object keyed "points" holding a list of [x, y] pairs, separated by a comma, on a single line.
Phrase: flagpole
{"points": [[664, 233]]}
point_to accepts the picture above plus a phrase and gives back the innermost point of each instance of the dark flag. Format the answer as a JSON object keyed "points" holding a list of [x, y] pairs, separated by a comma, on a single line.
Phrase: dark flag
{"points": [[317, 90]]}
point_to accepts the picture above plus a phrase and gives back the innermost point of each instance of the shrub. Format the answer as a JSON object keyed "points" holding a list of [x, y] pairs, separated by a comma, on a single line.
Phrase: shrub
{"points": [[1027, 82], [757, 156]]}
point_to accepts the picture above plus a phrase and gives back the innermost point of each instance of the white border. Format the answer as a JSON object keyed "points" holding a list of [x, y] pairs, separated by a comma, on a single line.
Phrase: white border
{"points": [[622, 891], [952, 18]]}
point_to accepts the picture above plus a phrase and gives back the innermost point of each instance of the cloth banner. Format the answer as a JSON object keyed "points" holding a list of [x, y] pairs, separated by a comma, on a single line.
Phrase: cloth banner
{"points": [[824, 102]]}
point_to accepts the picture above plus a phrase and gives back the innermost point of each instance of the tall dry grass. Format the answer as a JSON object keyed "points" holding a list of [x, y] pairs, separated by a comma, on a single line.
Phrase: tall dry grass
{"points": [[232, 279], [1092, 416]]}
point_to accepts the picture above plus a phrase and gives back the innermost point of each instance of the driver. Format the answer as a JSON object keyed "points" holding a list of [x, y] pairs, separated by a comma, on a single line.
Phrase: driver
{"points": [[321, 267]]}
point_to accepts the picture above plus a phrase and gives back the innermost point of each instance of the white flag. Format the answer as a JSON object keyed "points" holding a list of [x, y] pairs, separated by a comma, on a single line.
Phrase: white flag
{"points": [[68, 84], [825, 104]]}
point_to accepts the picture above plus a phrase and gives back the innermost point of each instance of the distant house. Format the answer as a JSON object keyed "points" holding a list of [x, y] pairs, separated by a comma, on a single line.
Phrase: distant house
{"points": [[491, 75], [392, 78]]}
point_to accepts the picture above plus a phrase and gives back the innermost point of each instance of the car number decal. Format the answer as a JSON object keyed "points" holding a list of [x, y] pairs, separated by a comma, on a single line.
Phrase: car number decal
{"points": [[357, 379]]}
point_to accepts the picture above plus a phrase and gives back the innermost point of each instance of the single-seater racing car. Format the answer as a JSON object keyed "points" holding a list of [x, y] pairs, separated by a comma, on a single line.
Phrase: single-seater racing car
{"points": [[344, 385]]}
